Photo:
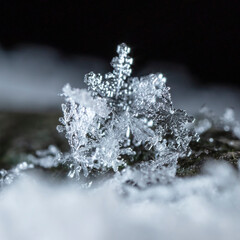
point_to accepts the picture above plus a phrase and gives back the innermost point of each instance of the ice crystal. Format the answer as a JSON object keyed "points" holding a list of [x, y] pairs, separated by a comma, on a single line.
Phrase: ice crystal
{"points": [[7, 176], [48, 158], [44, 158], [122, 120]]}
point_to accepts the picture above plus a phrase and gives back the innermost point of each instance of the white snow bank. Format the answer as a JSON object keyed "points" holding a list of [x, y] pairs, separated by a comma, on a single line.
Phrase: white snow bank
{"points": [[204, 207], [31, 78]]}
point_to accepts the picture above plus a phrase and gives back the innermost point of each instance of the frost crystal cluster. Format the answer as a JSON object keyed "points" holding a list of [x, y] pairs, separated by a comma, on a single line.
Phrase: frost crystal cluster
{"points": [[7, 177], [123, 120]]}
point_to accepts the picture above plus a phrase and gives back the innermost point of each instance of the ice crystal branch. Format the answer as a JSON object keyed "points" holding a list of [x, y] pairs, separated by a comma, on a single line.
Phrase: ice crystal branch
{"points": [[122, 120], [113, 86]]}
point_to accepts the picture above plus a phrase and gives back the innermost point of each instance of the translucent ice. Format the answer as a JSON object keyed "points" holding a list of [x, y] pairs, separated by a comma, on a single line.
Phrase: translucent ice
{"points": [[123, 120], [7, 176]]}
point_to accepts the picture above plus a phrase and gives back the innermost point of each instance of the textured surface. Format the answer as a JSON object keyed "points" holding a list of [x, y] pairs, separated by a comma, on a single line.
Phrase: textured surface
{"points": [[21, 134], [25, 133]]}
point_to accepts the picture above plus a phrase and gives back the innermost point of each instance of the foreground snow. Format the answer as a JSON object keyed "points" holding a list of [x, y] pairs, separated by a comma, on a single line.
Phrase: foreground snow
{"points": [[203, 207]]}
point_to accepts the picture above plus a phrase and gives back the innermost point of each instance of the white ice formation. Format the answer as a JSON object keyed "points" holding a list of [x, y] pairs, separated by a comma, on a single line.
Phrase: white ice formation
{"points": [[123, 120], [8, 176]]}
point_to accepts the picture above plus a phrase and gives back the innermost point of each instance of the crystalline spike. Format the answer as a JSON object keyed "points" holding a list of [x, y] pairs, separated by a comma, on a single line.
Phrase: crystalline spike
{"points": [[123, 49]]}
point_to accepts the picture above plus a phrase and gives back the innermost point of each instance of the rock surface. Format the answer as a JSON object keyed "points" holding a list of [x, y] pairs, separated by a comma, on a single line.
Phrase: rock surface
{"points": [[213, 146], [24, 133]]}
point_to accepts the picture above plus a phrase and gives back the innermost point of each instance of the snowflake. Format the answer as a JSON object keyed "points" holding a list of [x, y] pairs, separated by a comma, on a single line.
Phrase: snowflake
{"points": [[123, 120]]}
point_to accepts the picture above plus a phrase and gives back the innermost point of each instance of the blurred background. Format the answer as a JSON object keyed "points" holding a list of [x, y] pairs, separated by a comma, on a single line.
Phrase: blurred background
{"points": [[45, 44]]}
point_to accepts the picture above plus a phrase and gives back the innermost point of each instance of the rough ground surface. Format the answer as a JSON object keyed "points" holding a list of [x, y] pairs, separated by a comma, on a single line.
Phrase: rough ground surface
{"points": [[23, 133], [213, 146]]}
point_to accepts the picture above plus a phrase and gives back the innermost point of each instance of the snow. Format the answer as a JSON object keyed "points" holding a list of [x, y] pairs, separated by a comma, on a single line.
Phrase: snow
{"points": [[204, 207], [32, 77]]}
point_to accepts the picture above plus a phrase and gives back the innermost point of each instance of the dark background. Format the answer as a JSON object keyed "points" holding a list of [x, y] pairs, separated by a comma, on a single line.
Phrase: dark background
{"points": [[203, 35]]}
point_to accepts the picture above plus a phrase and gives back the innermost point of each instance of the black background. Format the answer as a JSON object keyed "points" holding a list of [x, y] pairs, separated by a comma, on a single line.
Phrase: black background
{"points": [[203, 35]]}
